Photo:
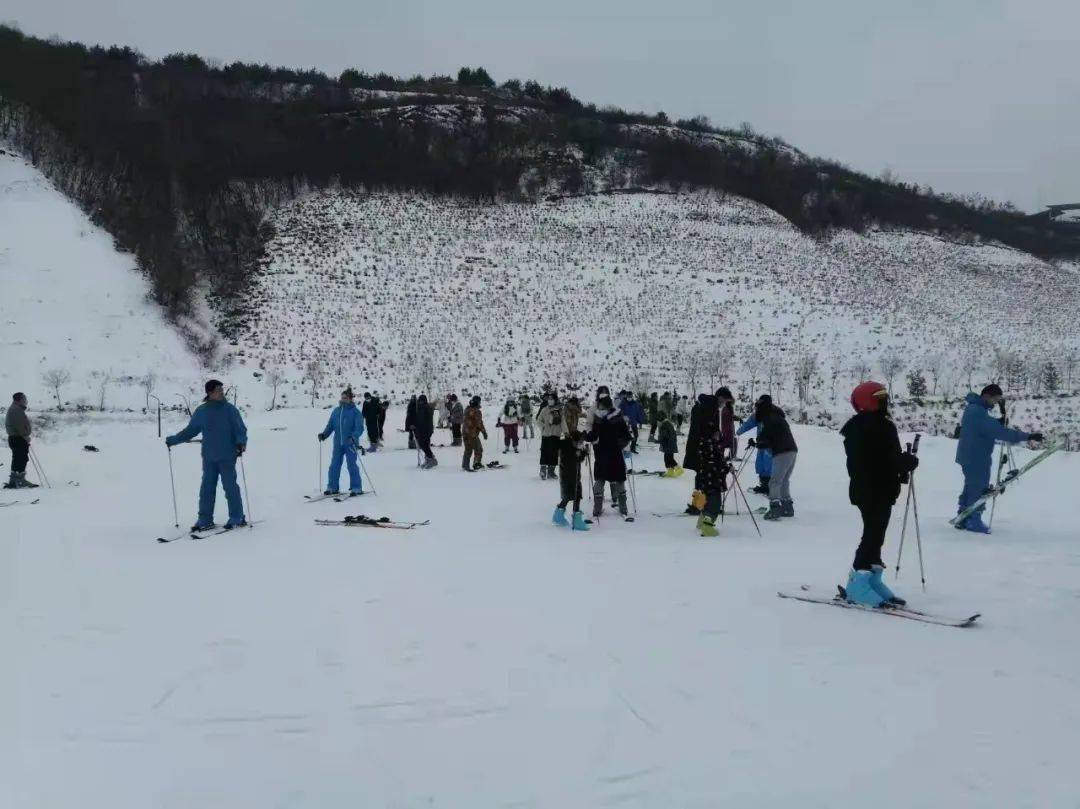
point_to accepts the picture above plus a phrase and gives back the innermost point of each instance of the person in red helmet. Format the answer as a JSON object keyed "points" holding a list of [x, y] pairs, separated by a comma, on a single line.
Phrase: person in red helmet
{"points": [[877, 466]]}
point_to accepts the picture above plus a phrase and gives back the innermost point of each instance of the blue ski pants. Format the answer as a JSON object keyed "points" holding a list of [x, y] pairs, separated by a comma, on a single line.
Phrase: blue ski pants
{"points": [[334, 478], [976, 482], [211, 471]]}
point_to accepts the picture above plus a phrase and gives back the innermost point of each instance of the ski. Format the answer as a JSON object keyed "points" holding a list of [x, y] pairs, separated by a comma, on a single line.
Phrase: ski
{"points": [[20, 503], [999, 488], [811, 597], [315, 498], [370, 522], [213, 532], [673, 514], [341, 498]]}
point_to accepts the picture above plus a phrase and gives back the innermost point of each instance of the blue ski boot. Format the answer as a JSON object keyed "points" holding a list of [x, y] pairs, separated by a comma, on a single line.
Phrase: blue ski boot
{"points": [[882, 589], [860, 589], [559, 517], [975, 524], [579, 522]]}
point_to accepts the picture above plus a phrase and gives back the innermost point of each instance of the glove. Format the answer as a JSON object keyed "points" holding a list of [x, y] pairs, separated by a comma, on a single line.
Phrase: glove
{"points": [[751, 443], [240, 449], [322, 436], [352, 444], [361, 450], [169, 442], [485, 436], [1036, 437], [909, 463]]}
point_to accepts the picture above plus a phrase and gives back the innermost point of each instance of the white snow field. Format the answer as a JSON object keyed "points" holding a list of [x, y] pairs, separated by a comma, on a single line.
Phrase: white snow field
{"points": [[490, 659], [72, 303]]}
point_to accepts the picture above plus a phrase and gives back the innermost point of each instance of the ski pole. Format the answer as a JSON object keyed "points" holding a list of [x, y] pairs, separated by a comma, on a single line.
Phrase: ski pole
{"points": [[918, 533], [247, 497], [318, 469], [913, 448], [750, 511], [367, 474], [172, 483], [633, 485], [37, 466]]}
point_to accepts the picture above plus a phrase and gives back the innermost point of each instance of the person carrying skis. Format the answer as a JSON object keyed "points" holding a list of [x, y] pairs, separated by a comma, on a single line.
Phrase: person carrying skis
{"points": [[763, 461], [18, 433], [224, 439], [347, 426], [572, 452], [424, 428], [669, 445], [457, 418], [775, 436], [509, 420], [526, 410], [609, 436], [635, 415], [975, 449], [472, 427], [550, 419], [410, 421], [876, 467]]}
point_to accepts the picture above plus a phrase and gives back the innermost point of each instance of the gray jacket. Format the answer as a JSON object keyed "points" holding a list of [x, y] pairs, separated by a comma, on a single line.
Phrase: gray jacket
{"points": [[17, 422]]}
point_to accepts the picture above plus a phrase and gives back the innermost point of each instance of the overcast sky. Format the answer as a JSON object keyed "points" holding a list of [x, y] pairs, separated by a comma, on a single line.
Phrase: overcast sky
{"points": [[963, 95]]}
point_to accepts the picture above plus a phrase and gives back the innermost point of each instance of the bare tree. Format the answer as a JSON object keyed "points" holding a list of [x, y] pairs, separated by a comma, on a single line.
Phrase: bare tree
{"points": [[148, 382], [892, 363], [1070, 361], [691, 371], [834, 375], [806, 368], [860, 370], [970, 362], [55, 379], [274, 378], [934, 364], [753, 359], [424, 376], [315, 374], [104, 379], [999, 364], [773, 369]]}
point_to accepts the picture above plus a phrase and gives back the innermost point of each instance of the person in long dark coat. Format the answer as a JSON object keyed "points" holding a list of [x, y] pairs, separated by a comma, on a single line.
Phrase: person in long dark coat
{"points": [[712, 462], [410, 421], [690, 456], [424, 428], [610, 435]]}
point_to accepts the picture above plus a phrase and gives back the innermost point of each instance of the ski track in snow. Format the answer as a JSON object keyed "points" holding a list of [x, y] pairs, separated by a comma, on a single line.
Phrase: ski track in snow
{"points": [[491, 659]]}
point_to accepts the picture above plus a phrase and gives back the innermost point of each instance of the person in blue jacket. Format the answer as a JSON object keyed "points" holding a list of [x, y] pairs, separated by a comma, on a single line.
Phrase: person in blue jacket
{"points": [[763, 461], [224, 439], [346, 424], [635, 414], [974, 452]]}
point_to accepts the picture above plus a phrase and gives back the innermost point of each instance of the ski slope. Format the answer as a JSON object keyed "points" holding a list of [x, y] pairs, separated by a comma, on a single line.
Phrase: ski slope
{"points": [[490, 659], [71, 302]]}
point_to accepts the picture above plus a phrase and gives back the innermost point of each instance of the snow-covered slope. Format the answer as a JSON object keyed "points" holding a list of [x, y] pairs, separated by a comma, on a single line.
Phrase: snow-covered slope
{"points": [[489, 659], [69, 301]]}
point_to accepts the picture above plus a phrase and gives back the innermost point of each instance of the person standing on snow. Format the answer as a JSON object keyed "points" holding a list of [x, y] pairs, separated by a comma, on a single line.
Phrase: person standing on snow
{"points": [[509, 420], [975, 449], [424, 428], [526, 410], [456, 417], [876, 467], [347, 426], [571, 412], [384, 406], [714, 438], [224, 439], [370, 413], [551, 421], [572, 452], [410, 421], [669, 445], [775, 436], [763, 461], [609, 436], [653, 409], [682, 413], [471, 429], [635, 415], [18, 433], [692, 453]]}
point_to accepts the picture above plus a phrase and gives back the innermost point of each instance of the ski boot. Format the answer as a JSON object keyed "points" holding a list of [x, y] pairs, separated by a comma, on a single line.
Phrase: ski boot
{"points": [[882, 589], [775, 512], [860, 589], [465, 466], [203, 526], [331, 492], [430, 463], [355, 492], [559, 517], [241, 523], [975, 524], [552, 473], [477, 466], [706, 526], [543, 473], [787, 508], [579, 522], [506, 450]]}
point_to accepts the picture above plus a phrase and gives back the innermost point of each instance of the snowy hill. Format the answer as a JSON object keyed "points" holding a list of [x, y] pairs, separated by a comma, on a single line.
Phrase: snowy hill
{"points": [[400, 291], [72, 303]]}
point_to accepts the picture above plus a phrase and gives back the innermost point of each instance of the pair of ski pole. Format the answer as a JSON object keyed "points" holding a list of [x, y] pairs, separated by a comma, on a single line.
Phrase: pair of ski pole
{"points": [[912, 505], [40, 470], [318, 471]]}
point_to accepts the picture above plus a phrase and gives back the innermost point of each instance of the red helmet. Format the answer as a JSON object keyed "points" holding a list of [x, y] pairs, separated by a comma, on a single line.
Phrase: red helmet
{"points": [[868, 396]]}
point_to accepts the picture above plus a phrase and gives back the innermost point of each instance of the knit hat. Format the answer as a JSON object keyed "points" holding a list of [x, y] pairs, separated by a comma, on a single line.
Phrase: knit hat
{"points": [[992, 390]]}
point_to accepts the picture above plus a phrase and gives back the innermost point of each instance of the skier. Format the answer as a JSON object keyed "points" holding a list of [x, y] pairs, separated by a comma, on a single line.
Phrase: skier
{"points": [[525, 408], [669, 445], [224, 439], [424, 428], [347, 426], [572, 452], [974, 451], [550, 419], [370, 411], [763, 461], [410, 421], [18, 433], [509, 420], [610, 435], [653, 409], [682, 413], [456, 417], [635, 414], [472, 427], [876, 466], [775, 436], [691, 454], [715, 431]]}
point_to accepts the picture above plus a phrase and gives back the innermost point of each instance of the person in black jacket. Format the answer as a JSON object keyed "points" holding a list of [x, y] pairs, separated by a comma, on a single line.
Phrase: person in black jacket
{"points": [[691, 453], [572, 452], [370, 411], [424, 428], [610, 435], [876, 466], [775, 436], [410, 421]]}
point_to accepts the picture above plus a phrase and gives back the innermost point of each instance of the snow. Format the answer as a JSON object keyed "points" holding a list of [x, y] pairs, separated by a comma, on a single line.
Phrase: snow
{"points": [[72, 302], [490, 659]]}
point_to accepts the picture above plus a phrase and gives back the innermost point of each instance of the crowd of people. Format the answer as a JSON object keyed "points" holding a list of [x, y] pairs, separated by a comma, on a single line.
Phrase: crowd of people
{"points": [[602, 438]]}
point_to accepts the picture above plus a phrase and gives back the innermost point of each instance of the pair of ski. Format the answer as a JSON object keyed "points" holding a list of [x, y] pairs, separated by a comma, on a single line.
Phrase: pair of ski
{"points": [[840, 600], [363, 521], [1000, 488], [210, 532], [337, 497], [20, 503]]}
